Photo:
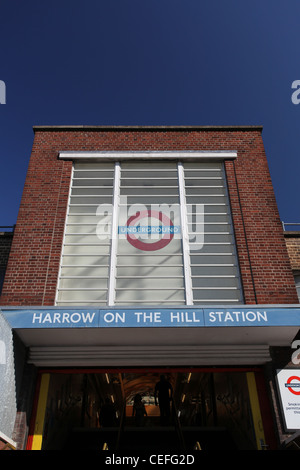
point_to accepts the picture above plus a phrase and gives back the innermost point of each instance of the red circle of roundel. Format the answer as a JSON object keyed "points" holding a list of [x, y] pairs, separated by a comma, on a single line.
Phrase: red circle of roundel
{"points": [[164, 241], [291, 388]]}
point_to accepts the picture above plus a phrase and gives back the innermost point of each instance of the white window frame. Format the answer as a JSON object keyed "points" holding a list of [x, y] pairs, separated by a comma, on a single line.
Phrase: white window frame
{"points": [[180, 157], [155, 155]]}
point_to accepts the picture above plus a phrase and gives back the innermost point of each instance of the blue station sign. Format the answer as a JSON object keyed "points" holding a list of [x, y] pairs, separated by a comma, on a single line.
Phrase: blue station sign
{"points": [[250, 316]]}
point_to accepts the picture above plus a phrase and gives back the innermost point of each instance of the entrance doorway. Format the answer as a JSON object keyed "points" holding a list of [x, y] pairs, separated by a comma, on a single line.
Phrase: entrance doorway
{"points": [[94, 409]]}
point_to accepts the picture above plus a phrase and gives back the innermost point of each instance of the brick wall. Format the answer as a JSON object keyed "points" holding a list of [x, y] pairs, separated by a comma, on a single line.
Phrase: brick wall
{"points": [[5, 246], [292, 240], [34, 261]]}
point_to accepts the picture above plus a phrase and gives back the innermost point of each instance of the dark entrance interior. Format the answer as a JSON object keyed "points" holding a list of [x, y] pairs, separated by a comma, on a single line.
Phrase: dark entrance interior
{"points": [[210, 409]]}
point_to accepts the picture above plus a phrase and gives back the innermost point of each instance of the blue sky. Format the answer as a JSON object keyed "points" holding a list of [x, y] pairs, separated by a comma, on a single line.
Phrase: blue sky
{"points": [[142, 62]]}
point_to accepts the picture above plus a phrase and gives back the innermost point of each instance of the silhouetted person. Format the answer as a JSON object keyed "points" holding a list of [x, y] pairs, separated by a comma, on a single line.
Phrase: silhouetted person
{"points": [[164, 393], [107, 414], [197, 416], [139, 410]]}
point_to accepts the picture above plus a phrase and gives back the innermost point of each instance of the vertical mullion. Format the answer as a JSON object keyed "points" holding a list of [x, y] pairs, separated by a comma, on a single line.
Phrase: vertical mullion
{"points": [[232, 235], [114, 236], [64, 238], [185, 237]]}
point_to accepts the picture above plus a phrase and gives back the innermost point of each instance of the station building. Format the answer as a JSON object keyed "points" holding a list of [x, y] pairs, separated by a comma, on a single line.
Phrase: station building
{"points": [[142, 252]]}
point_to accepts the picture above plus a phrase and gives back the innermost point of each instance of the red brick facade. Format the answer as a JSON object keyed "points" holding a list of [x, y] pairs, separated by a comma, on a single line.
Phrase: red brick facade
{"points": [[292, 240], [33, 266], [5, 245]]}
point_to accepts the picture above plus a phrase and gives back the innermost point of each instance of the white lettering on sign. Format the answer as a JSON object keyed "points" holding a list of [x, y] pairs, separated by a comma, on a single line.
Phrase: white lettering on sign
{"points": [[110, 317], [152, 317], [63, 317], [149, 317], [184, 317], [237, 316]]}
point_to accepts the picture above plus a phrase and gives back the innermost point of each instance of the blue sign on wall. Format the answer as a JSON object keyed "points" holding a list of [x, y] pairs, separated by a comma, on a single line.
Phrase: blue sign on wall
{"points": [[53, 317]]}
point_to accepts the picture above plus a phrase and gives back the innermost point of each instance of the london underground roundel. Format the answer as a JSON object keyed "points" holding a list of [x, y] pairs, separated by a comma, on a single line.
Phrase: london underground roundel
{"points": [[165, 228], [293, 387]]}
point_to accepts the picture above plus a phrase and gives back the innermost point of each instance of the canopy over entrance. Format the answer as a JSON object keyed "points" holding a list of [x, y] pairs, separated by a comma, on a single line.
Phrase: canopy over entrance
{"points": [[153, 337]]}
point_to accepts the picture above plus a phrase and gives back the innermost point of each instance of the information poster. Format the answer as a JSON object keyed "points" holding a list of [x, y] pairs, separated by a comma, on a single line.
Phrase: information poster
{"points": [[288, 381]]}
